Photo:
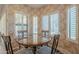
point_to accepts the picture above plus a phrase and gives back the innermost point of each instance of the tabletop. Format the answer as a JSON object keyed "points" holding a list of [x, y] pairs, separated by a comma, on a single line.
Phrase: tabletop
{"points": [[34, 41]]}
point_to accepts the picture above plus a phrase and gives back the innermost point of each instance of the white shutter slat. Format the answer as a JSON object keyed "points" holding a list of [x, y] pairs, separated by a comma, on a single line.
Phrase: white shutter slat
{"points": [[72, 23]]}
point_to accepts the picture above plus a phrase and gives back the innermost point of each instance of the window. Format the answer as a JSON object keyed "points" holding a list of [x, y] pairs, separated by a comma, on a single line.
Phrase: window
{"points": [[21, 25], [35, 27], [45, 25], [54, 23], [72, 14]]}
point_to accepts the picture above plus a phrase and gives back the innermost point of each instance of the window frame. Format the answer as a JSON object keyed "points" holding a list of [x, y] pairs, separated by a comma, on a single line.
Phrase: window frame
{"points": [[56, 12], [67, 38], [42, 22], [35, 34], [22, 24], [45, 33]]}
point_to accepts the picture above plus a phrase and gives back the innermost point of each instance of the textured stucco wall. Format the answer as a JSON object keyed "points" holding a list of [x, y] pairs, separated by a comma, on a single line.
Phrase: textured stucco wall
{"points": [[64, 43], [61, 9], [10, 19]]}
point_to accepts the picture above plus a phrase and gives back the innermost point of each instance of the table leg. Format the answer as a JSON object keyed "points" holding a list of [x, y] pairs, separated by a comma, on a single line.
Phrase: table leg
{"points": [[34, 49], [19, 46]]}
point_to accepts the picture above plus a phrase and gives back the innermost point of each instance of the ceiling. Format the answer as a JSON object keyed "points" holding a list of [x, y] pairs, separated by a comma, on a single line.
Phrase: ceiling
{"points": [[36, 5]]}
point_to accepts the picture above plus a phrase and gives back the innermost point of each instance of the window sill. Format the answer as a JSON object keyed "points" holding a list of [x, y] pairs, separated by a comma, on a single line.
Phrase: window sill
{"points": [[73, 41]]}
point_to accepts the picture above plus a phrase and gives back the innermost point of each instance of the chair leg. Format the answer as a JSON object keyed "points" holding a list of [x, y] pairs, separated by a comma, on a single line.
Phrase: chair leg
{"points": [[34, 49], [11, 48], [6, 48], [53, 51], [19, 46]]}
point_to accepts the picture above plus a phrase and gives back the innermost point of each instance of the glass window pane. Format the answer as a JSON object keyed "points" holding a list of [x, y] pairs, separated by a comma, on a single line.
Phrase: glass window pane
{"points": [[24, 27], [54, 21], [35, 27], [45, 23], [18, 18], [35, 36], [25, 34], [35, 24], [20, 35], [18, 27], [21, 23], [24, 20]]}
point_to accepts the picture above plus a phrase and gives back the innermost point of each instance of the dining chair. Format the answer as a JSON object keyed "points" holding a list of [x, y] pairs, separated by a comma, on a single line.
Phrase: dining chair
{"points": [[7, 42], [53, 49], [23, 34], [22, 50], [15, 45], [2, 46], [45, 33]]}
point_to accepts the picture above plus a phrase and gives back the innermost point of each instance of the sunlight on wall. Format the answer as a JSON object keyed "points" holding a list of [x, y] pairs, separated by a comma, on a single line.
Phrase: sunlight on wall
{"points": [[3, 24]]}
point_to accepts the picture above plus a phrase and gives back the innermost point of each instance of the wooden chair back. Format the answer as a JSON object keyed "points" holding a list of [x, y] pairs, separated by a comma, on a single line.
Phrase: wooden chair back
{"points": [[45, 33], [55, 43], [8, 45]]}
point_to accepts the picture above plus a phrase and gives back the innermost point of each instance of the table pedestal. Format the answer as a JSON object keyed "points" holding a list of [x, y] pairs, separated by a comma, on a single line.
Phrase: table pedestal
{"points": [[34, 49]]}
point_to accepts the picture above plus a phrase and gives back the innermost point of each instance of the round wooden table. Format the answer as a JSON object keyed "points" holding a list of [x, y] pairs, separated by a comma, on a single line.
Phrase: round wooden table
{"points": [[34, 42]]}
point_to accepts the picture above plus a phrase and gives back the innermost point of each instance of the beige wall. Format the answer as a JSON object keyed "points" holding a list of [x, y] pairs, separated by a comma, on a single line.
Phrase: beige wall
{"points": [[64, 42], [3, 24], [62, 9], [11, 10]]}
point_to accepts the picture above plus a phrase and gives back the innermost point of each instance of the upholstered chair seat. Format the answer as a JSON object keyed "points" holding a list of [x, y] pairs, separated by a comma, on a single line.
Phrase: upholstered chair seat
{"points": [[44, 50], [24, 51]]}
